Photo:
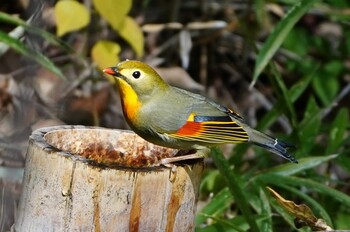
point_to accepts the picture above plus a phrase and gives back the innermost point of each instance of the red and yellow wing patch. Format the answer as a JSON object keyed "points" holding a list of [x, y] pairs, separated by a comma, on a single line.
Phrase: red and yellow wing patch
{"points": [[211, 130]]}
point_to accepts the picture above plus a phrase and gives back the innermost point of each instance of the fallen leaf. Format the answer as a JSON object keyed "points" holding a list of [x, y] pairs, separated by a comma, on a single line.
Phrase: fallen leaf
{"points": [[178, 76], [302, 213]]}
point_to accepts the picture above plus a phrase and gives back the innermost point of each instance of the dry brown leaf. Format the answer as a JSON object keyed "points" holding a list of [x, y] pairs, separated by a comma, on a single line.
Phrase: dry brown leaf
{"points": [[302, 213], [177, 76]]}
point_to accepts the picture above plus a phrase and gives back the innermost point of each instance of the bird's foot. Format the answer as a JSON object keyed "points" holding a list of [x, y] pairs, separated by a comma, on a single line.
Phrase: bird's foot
{"points": [[186, 155], [182, 155]]}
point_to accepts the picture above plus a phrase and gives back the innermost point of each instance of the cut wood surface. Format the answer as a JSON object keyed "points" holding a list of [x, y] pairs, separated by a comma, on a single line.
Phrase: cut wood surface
{"points": [[92, 179]]}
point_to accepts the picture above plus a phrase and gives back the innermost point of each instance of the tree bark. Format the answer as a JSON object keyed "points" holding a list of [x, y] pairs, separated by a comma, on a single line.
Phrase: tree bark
{"points": [[93, 179]]}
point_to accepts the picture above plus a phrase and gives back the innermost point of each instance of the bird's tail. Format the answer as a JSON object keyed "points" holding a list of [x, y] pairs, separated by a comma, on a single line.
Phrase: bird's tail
{"points": [[271, 144]]}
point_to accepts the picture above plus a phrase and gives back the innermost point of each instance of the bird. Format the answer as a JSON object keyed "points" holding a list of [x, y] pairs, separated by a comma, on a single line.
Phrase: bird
{"points": [[176, 118]]}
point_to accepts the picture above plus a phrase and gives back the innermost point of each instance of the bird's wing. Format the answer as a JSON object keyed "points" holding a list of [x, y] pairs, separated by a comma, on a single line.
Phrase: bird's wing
{"points": [[191, 117], [211, 130], [204, 105], [209, 122]]}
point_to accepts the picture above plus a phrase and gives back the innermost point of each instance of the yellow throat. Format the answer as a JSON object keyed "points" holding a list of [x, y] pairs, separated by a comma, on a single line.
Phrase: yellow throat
{"points": [[130, 101]]}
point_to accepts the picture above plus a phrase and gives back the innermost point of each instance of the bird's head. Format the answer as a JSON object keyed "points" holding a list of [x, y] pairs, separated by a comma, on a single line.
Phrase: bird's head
{"points": [[140, 77]]}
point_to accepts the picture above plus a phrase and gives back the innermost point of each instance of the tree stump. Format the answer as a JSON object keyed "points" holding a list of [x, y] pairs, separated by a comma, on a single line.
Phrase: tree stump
{"points": [[92, 179]]}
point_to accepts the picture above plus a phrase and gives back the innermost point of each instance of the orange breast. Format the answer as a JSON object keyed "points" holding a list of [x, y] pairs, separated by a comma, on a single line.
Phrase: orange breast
{"points": [[130, 101]]}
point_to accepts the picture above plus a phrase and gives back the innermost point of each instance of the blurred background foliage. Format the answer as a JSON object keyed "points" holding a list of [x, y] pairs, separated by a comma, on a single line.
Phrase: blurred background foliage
{"points": [[282, 64]]}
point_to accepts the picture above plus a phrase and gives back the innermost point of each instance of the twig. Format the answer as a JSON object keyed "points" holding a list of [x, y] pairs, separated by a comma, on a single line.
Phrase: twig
{"points": [[340, 96]]}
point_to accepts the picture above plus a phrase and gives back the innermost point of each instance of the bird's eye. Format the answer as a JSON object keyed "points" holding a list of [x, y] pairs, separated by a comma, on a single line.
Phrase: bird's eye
{"points": [[136, 74]]}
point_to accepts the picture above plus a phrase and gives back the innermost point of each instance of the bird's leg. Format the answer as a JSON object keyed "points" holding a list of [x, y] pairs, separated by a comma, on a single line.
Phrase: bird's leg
{"points": [[199, 154], [181, 156]]}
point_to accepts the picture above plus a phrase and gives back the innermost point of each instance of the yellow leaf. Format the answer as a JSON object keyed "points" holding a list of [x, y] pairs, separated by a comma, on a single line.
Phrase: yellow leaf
{"points": [[70, 16], [105, 53], [113, 11], [132, 33]]}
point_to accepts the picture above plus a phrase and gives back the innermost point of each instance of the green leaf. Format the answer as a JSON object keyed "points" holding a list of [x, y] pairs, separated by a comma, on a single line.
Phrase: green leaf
{"points": [[280, 32], [309, 127], [46, 35], [285, 94], [289, 169], [314, 186], [211, 182], [233, 184], [326, 84], [302, 46], [70, 16], [294, 93], [236, 224], [113, 11], [132, 33], [38, 57], [219, 203], [298, 88], [342, 219], [346, 46], [15, 34], [266, 225], [344, 161], [338, 129], [261, 13]]}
